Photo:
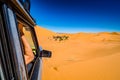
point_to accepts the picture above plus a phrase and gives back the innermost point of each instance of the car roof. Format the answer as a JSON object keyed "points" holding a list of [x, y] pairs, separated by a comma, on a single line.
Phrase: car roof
{"points": [[20, 11]]}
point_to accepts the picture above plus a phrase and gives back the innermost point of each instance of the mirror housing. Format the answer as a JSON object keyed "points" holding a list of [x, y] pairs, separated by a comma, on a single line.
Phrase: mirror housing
{"points": [[45, 53]]}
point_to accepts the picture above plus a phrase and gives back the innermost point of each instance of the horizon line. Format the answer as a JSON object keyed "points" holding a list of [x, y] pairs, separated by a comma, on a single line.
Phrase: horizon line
{"points": [[81, 31]]}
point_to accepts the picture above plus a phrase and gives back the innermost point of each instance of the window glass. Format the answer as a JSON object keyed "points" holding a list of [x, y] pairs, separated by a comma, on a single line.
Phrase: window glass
{"points": [[28, 35]]}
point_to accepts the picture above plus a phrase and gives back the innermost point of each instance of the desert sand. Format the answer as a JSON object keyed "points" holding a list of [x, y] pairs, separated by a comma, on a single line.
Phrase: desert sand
{"points": [[83, 56]]}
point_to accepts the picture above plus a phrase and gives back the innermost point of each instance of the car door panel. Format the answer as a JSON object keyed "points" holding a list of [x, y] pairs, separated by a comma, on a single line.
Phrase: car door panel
{"points": [[36, 69]]}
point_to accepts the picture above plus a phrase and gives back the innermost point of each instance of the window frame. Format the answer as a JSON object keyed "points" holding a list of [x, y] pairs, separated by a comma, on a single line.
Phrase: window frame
{"points": [[2, 63], [4, 55], [38, 59], [17, 70], [32, 31]]}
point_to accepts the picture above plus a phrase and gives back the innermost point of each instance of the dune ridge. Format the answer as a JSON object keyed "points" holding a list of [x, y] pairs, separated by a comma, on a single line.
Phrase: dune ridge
{"points": [[83, 56]]}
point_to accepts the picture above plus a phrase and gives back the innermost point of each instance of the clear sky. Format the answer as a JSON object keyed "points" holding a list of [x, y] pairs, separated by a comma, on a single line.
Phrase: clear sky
{"points": [[77, 15]]}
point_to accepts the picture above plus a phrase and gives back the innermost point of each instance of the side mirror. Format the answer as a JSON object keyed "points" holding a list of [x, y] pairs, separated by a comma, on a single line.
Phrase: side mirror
{"points": [[45, 53]]}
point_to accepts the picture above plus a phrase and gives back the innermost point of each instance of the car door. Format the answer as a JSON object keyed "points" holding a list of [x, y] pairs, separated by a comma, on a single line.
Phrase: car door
{"points": [[12, 62], [13, 59], [16, 67]]}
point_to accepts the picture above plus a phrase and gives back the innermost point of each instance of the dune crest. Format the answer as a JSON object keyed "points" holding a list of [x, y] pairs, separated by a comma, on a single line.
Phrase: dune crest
{"points": [[43, 32]]}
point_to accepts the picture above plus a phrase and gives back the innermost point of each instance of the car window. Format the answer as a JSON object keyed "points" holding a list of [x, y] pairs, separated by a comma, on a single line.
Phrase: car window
{"points": [[28, 35]]}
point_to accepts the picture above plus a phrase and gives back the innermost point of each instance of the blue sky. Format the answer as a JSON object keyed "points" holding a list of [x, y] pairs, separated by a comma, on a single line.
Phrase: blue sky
{"points": [[73, 16]]}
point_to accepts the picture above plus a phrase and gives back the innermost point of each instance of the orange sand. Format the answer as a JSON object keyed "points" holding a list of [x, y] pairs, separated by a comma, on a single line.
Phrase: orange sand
{"points": [[84, 56]]}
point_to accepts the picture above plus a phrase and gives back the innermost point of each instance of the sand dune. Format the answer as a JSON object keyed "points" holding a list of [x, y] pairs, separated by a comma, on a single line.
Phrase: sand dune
{"points": [[43, 32], [84, 56]]}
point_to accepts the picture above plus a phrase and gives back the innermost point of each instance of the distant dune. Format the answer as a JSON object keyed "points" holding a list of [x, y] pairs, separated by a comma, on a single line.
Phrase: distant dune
{"points": [[83, 56], [43, 32]]}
